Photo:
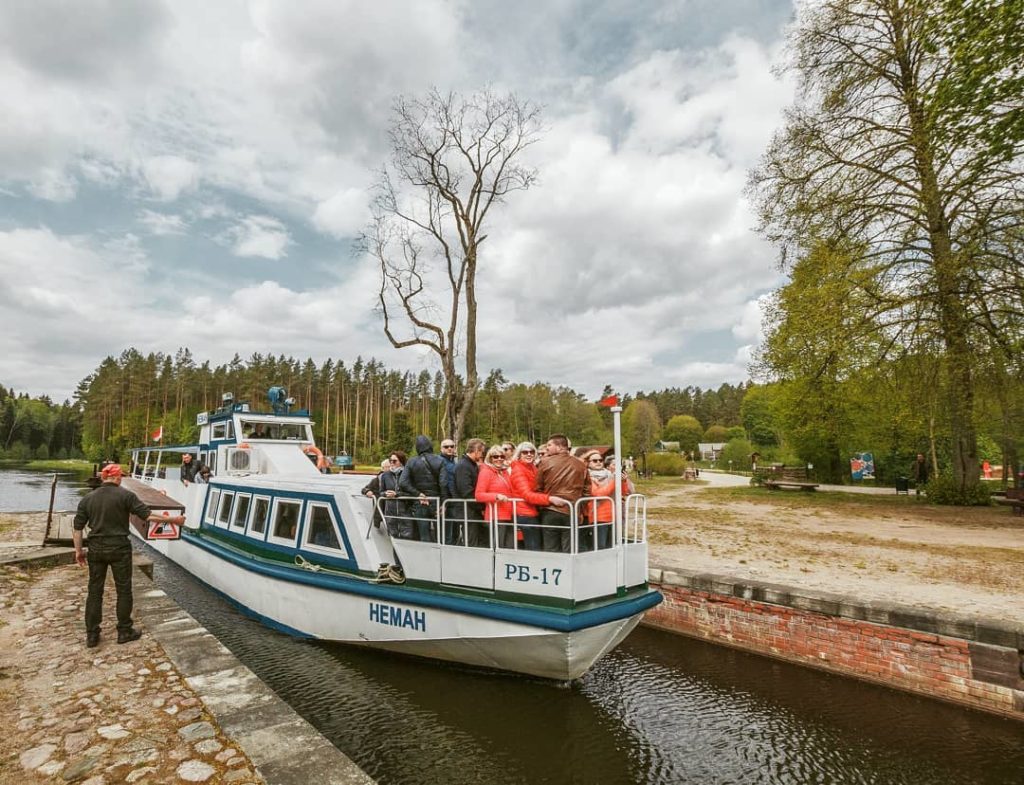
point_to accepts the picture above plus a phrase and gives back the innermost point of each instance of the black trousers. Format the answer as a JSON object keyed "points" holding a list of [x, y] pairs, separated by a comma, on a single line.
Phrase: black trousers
{"points": [[116, 554]]}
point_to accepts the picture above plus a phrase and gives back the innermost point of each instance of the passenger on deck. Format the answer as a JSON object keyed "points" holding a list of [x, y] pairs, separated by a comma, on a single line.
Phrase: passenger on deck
{"points": [[396, 516], [524, 479], [372, 490], [509, 450], [448, 454], [203, 473], [494, 488], [562, 477], [597, 513], [424, 478], [189, 468], [469, 514]]}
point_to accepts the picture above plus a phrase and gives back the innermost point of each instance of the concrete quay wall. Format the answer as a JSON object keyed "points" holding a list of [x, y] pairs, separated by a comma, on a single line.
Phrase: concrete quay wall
{"points": [[971, 662]]}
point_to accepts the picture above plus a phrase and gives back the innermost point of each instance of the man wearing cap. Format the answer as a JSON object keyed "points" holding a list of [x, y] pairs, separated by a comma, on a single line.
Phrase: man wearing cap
{"points": [[106, 511]]}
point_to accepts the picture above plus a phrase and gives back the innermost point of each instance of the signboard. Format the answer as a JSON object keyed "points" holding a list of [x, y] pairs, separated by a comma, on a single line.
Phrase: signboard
{"points": [[862, 466], [162, 530], [202, 418]]}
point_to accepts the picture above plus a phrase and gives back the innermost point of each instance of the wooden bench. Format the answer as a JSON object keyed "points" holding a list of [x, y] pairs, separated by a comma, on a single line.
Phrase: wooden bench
{"points": [[788, 478], [1015, 499]]}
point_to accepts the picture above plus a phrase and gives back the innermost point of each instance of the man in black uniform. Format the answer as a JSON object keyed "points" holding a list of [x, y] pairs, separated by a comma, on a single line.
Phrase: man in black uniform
{"points": [[106, 510]]}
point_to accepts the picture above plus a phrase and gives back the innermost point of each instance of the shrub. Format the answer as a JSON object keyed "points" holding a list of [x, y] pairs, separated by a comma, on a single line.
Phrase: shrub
{"points": [[665, 463], [738, 451], [945, 490]]}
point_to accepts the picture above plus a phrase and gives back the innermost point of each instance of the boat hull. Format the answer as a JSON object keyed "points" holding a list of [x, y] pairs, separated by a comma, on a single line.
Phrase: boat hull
{"points": [[400, 625]]}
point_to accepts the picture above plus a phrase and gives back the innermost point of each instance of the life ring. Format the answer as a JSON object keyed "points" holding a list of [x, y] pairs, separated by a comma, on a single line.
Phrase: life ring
{"points": [[313, 451]]}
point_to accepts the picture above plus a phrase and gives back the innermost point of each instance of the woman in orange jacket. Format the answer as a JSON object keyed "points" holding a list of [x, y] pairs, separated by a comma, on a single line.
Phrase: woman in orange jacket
{"points": [[494, 489], [601, 511]]}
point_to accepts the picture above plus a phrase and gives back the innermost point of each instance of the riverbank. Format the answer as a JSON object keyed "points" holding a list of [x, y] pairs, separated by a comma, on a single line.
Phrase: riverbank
{"points": [[174, 706], [878, 548], [109, 714]]}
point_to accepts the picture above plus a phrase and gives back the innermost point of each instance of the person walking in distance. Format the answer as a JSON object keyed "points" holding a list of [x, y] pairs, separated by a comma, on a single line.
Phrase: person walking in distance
{"points": [[919, 472], [105, 511], [564, 478]]}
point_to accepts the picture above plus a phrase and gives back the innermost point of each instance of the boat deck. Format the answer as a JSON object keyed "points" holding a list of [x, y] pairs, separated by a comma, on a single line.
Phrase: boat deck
{"points": [[152, 498]]}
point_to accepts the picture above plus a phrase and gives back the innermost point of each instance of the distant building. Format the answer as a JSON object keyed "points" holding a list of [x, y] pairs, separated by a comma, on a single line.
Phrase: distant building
{"points": [[710, 451], [662, 446]]}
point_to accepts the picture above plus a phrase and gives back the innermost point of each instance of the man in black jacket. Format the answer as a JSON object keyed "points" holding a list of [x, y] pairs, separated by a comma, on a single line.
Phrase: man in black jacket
{"points": [[424, 477], [105, 511], [189, 468], [472, 512]]}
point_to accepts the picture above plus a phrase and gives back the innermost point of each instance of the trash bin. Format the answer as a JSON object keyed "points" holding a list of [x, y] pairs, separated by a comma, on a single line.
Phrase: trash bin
{"points": [[903, 485]]}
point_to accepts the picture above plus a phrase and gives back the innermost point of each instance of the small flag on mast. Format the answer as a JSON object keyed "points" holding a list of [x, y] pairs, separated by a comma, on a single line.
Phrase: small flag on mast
{"points": [[158, 434], [611, 400]]}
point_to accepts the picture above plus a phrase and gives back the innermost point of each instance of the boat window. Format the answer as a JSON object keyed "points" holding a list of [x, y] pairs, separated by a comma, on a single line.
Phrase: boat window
{"points": [[211, 508], [225, 508], [320, 530], [223, 430], [241, 511], [286, 520], [260, 513], [256, 430]]}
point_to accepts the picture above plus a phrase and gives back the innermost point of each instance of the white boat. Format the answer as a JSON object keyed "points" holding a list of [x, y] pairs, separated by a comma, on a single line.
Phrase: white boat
{"points": [[297, 549]]}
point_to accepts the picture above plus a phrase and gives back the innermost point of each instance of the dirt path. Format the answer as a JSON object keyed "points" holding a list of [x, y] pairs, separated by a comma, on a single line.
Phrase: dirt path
{"points": [[879, 548]]}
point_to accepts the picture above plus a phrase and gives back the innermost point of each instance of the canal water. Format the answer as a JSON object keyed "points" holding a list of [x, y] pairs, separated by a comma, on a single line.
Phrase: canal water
{"points": [[661, 709], [28, 490]]}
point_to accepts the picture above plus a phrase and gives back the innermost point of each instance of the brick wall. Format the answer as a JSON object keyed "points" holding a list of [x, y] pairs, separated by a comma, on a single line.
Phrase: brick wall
{"points": [[959, 668]]}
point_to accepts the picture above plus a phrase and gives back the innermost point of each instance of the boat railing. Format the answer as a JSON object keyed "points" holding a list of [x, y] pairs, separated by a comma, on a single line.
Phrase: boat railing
{"points": [[449, 522]]}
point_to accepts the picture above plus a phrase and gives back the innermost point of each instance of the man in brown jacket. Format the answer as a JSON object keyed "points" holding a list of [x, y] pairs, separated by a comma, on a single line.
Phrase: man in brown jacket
{"points": [[564, 478]]}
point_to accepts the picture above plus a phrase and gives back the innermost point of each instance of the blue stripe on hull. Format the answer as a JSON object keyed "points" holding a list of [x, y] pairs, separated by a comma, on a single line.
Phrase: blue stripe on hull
{"points": [[543, 618]]}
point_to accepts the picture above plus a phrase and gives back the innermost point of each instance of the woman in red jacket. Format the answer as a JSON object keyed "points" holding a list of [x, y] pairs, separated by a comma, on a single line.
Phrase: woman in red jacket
{"points": [[495, 490], [524, 481]]}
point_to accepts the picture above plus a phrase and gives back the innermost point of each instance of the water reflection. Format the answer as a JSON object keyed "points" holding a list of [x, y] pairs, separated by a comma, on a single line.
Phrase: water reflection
{"points": [[660, 709]]}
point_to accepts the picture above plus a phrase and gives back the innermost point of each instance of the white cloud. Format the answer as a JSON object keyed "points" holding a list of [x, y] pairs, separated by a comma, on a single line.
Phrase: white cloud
{"points": [[53, 185], [169, 175], [259, 235], [162, 223], [748, 328], [342, 215], [262, 121]]}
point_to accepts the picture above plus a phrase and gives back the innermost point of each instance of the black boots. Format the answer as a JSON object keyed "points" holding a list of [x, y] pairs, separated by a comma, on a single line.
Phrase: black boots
{"points": [[127, 637], [92, 640]]}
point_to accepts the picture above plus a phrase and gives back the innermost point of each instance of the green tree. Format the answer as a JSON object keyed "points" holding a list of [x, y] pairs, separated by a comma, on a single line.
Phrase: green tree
{"points": [[758, 415], [686, 430], [640, 426], [735, 432], [716, 434], [738, 451], [906, 143]]}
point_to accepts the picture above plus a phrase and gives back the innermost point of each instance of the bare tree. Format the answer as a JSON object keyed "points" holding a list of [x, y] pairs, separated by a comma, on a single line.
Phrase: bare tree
{"points": [[453, 158]]}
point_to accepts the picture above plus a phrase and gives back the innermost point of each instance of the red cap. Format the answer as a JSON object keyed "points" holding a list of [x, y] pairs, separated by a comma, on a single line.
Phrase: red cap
{"points": [[110, 470]]}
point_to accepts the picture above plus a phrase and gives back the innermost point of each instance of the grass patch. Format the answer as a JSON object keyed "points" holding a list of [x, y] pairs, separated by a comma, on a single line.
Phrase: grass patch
{"points": [[65, 465]]}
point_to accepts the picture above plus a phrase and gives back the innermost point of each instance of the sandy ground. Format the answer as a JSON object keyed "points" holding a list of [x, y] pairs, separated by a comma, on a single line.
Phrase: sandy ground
{"points": [[875, 547]]}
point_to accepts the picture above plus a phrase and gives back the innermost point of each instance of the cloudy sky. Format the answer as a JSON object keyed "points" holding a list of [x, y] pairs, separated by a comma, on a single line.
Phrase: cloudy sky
{"points": [[192, 173]]}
